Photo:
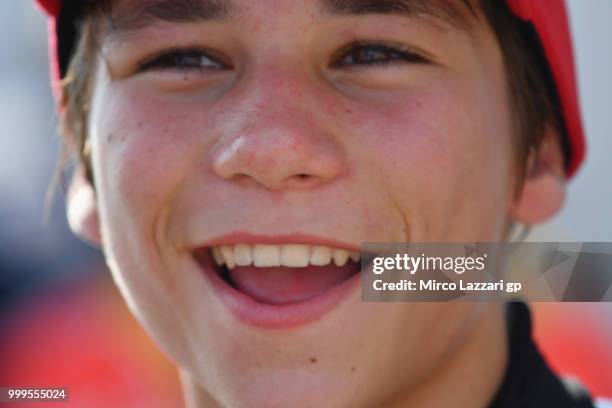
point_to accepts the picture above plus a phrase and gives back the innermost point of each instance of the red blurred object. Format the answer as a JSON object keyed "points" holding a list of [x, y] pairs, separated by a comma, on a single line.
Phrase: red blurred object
{"points": [[84, 338], [576, 339]]}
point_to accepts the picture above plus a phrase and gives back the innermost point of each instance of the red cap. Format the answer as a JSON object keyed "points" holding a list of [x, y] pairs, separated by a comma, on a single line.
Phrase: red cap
{"points": [[52, 8], [548, 17]]}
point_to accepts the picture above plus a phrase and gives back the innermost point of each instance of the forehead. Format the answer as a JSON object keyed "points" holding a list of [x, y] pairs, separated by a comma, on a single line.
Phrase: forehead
{"points": [[130, 15]]}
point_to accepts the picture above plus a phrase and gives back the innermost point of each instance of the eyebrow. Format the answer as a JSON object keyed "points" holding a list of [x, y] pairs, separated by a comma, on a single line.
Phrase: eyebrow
{"points": [[139, 14], [452, 12]]}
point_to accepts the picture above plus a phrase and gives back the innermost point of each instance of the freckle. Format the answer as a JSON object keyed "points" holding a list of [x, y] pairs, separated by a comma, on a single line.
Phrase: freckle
{"points": [[353, 368], [313, 360], [348, 111], [109, 137]]}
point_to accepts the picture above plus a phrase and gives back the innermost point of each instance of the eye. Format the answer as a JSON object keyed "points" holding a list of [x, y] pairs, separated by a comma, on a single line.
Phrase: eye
{"points": [[376, 53], [183, 60]]}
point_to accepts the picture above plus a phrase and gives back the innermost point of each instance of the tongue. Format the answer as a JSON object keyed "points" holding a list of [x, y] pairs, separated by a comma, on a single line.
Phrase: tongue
{"points": [[283, 285]]}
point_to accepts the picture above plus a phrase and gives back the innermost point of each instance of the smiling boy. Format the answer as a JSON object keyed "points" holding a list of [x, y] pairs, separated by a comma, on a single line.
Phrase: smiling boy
{"points": [[233, 155]]}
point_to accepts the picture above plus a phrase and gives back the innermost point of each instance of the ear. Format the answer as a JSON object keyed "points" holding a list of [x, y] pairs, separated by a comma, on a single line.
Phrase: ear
{"points": [[82, 208], [543, 191]]}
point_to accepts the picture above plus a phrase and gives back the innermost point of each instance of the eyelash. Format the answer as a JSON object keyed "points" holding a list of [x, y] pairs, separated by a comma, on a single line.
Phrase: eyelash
{"points": [[395, 53], [183, 59], [370, 53]]}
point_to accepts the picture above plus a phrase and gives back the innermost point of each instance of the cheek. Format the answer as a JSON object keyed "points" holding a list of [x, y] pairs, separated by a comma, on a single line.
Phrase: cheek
{"points": [[443, 155], [144, 149]]}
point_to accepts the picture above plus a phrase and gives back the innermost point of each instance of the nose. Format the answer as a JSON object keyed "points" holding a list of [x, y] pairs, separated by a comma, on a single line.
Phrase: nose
{"points": [[278, 141]]}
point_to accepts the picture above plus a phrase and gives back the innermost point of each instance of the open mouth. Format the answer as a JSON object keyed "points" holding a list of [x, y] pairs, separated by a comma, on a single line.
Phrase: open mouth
{"points": [[281, 274]]}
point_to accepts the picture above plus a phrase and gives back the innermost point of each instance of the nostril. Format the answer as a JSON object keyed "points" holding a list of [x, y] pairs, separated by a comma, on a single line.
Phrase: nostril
{"points": [[301, 180]]}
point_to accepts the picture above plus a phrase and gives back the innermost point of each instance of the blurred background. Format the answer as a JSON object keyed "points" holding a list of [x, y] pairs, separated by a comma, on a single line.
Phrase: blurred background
{"points": [[62, 323]]}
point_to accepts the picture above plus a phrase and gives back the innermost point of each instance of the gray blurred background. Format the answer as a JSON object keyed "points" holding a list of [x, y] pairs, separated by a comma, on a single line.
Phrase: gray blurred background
{"points": [[31, 254]]}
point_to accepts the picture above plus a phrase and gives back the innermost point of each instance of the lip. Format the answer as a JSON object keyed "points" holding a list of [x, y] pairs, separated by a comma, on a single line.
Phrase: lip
{"points": [[269, 316]]}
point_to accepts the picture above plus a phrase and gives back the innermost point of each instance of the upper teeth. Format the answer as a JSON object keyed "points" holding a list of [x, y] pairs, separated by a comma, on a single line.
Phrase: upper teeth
{"points": [[291, 255]]}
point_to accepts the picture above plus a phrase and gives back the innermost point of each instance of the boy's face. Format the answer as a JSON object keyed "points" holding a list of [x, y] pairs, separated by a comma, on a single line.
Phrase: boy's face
{"points": [[319, 122]]}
